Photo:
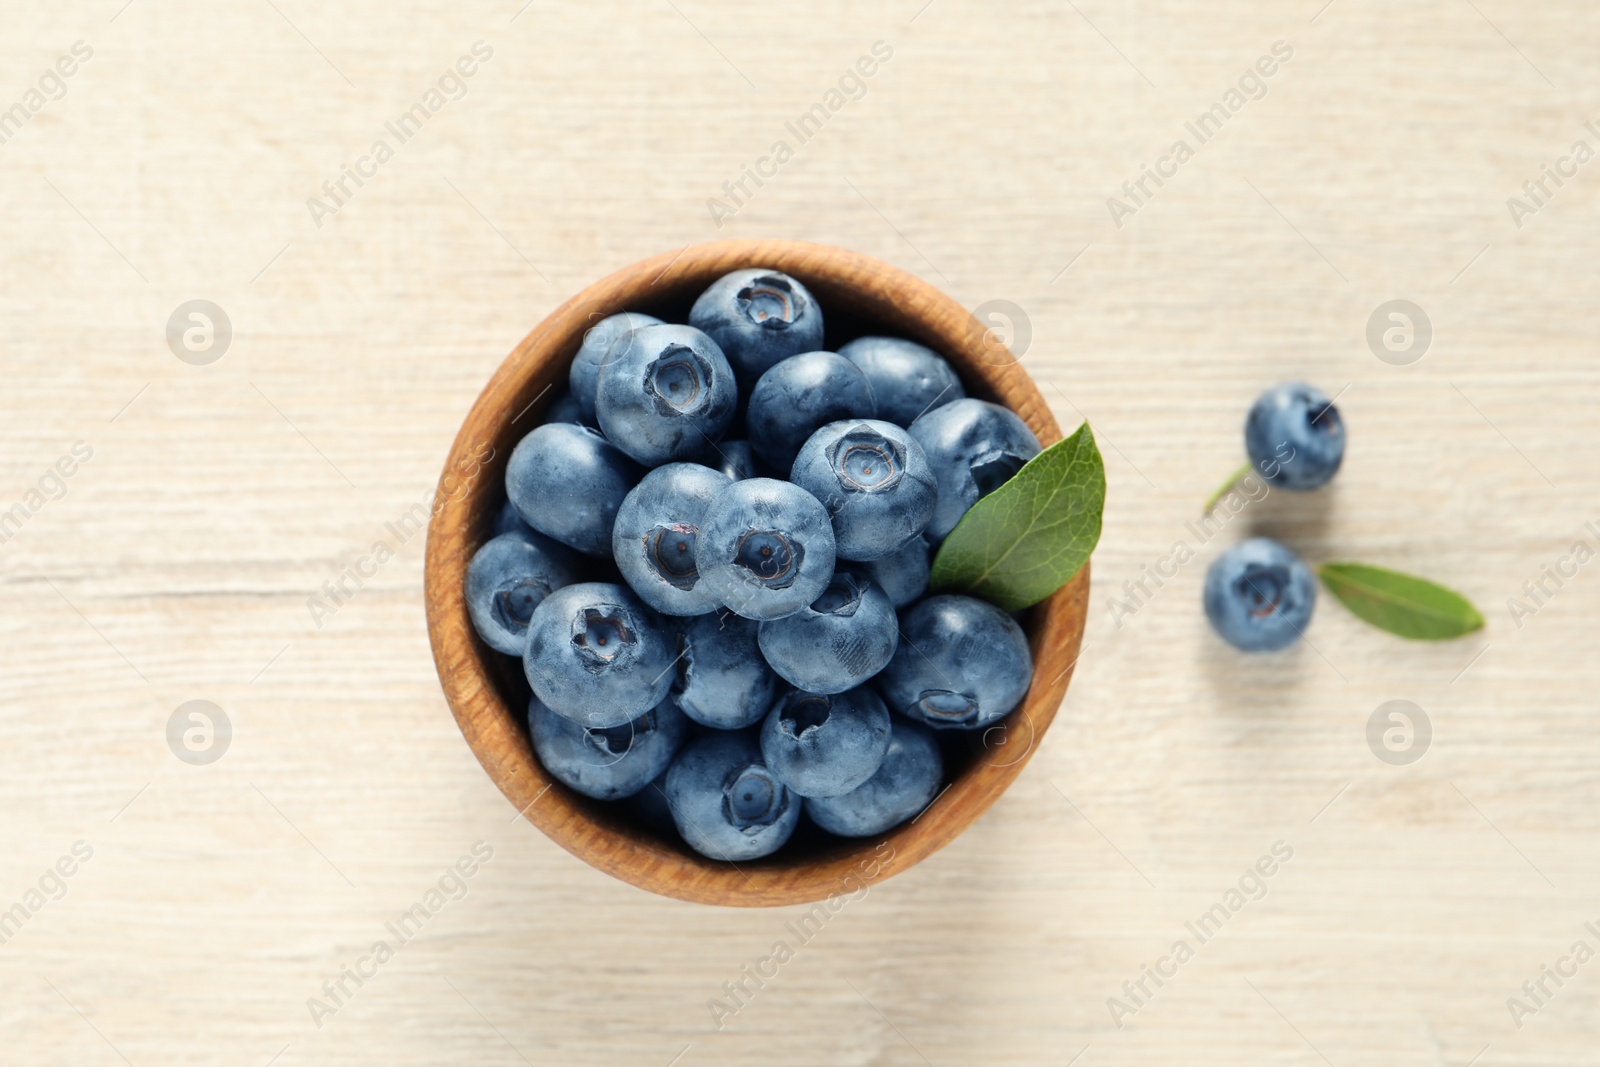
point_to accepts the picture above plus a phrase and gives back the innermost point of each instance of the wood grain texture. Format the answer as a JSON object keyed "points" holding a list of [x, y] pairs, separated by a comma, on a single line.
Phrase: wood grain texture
{"points": [[859, 295], [219, 499]]}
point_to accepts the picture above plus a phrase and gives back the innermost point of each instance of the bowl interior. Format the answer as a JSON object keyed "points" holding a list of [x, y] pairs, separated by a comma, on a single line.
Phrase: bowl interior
{"points": [[489, 694]]}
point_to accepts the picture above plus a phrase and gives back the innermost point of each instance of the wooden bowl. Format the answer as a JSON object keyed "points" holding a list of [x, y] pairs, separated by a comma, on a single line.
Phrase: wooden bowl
{"points": [[489, 695]]}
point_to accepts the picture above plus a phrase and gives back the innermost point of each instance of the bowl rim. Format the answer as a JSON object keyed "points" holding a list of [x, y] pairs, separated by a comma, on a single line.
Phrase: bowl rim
{"points": [[533, 369]]}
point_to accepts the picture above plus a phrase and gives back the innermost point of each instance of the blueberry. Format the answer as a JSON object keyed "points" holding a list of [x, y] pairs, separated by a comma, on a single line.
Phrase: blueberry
{"points": [[874, 480], [800, 395], [508, 520], [840, 640], [567, 482], [507, 579], [724, 800], [723, 681], [565, 408], [655, 533], [907, 379], [607, 763], [666, 393], [765, 548], [584, 375], [974, 447], [1294, 436], [822, 746], [758, 317], [962, 662], [903, 575], [597, 655], [1259, 595], [736, 459], [904, 784]]}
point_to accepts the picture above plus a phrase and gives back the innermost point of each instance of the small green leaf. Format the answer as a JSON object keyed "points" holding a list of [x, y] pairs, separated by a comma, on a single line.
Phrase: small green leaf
{"points": [[1028, 538], [1400, 603], [1226, 487]]}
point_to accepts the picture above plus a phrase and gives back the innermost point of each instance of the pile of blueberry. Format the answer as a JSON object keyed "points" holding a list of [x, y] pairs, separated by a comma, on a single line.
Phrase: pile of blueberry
{"points": [[713, 563], [1259, 594]]}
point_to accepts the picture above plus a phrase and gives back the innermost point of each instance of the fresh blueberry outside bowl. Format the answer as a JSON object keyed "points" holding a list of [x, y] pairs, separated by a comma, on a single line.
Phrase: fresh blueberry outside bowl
{"points": [[851, 829]]}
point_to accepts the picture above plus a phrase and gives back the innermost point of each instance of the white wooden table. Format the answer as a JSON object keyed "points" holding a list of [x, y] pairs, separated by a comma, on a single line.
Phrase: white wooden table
{"points": [[208, 904]]}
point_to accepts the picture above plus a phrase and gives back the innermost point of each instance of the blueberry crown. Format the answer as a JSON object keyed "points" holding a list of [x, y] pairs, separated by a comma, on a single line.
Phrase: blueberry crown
{"points": [[770, 557], [771, 302], [601, 635], [867, 462], [753, 799], [670, 550], [679, 381]]}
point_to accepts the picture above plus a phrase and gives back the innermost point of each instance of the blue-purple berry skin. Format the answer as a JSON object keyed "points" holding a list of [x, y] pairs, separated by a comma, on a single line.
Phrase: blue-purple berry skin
{"points": [[907, 379], [726, 802], [599, 340], [904, 574], [822, 745], [799, 396], [974, 447], [758, 317], [904, 784], [509, 521], [508, 578], [1259, 595], [962, 664], [598, 656], [609, 763], [653, 539], [838, 641], [666, 393], [737, 460], [564, 407], [1295, 436], [765, 547], [874, 480], [723, 680], [567, 482]]}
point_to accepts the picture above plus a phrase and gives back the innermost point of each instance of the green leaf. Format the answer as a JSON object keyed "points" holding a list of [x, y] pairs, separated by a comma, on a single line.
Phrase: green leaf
{"points": [[1400, 603], [1226, 487], [1028, 538]]}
